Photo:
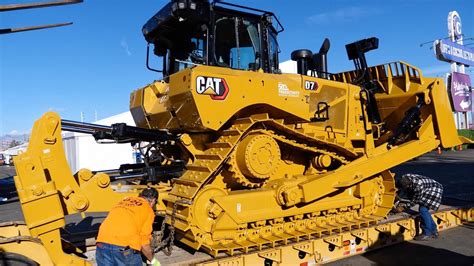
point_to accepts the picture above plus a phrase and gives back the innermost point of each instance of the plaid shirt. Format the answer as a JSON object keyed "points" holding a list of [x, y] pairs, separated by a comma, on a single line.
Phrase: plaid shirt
{"points": [[425, 191]]}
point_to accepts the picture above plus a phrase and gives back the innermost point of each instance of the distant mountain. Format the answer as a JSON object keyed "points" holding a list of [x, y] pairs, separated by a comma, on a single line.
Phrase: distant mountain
{"points": [[7, 139]]}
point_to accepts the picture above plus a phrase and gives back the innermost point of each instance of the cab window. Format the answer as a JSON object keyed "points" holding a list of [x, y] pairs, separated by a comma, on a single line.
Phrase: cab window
{"points": [[273, 52], [237, 43]]}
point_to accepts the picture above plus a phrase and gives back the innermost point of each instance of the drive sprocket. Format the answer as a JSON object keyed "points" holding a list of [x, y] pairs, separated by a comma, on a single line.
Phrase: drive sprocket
{"points": [[255, 160]]}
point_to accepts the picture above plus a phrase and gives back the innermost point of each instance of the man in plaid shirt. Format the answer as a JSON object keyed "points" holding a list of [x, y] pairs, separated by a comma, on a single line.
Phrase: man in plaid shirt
{"points": [[427, 193]]}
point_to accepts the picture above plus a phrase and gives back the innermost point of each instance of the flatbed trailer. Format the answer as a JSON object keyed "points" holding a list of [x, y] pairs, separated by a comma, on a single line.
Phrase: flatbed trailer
{"points": [[339, 244]]}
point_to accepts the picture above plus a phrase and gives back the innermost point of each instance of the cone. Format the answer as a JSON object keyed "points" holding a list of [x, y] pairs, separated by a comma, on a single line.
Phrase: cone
{"points": [[439, 150], [459, 147]]}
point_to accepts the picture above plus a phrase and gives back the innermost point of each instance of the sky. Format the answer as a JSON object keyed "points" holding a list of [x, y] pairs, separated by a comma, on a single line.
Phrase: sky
{"points": [[94, 65]]}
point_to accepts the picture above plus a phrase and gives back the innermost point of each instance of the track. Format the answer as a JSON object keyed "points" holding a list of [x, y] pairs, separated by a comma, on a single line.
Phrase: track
{"points": [[200, 215]]}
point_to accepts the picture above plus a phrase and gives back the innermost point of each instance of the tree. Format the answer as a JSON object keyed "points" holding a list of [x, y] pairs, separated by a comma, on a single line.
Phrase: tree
{"points": [[13, 143]]}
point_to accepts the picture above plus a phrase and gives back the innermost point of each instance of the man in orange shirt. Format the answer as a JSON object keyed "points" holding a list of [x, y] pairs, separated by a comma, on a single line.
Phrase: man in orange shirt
{"points": [[127, 231]]}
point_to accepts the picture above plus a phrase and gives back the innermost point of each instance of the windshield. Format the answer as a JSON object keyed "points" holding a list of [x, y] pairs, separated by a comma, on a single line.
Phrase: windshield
{"points": [[237, 43], [184, 50], [193, 54]]}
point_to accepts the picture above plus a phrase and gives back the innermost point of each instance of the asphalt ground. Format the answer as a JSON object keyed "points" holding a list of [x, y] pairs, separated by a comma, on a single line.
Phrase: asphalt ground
{"points": [[453, 169]]}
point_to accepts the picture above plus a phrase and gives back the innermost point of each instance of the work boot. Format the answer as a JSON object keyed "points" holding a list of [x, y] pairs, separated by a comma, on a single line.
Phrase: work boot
{"points": [[423, 238]]}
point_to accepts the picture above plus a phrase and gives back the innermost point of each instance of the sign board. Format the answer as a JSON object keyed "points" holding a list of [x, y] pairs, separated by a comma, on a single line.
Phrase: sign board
{"points": [[461, 92], [454, 26], [452, 52]]}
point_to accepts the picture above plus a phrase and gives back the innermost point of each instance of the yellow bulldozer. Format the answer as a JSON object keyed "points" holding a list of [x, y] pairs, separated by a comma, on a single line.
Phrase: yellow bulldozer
{"points": [[245, 157]]}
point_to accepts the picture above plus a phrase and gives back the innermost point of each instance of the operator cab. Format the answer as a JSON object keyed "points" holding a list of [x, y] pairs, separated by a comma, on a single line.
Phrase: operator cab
{"points": [[194, 32]]}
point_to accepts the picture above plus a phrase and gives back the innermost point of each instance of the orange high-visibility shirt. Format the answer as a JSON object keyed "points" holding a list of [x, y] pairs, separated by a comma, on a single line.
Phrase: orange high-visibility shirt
{"points": [[128, 224]]}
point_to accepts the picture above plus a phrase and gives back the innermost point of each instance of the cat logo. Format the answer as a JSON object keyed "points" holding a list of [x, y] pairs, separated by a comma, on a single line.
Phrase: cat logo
{"points": [[215, 87]]}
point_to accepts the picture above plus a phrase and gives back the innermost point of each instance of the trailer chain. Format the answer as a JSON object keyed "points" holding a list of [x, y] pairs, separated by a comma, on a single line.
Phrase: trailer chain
{"points": [[166, 245]]}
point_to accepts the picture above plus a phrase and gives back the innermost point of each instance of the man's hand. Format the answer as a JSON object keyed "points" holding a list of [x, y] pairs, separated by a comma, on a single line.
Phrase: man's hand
{"points": [[148, 252], [400, 209]]}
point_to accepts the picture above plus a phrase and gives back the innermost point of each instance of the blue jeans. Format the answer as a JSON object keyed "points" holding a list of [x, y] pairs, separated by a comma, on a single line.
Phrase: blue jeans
{"points": [[427, 224], [108, 254]]}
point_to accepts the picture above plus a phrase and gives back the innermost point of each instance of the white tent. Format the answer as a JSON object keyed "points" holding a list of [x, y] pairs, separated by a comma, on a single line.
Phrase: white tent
{"points": [[14, 151], [82, 151], [288, 66]]}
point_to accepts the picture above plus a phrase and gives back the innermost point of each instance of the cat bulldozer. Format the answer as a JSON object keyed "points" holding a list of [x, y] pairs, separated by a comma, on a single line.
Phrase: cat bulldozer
{"points": [[245, 157]]}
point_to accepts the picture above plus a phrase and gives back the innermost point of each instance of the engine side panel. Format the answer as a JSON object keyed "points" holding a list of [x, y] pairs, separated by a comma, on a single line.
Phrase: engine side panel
{"points": [[205, 98]]}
